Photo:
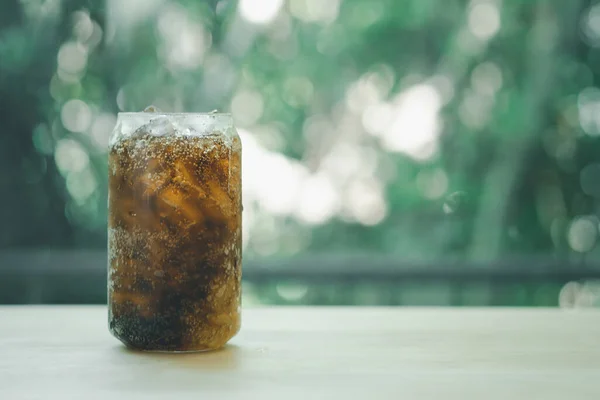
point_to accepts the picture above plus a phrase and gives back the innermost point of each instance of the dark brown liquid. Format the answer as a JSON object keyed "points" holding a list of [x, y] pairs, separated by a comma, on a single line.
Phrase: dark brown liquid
{"points": [[175, 241]]}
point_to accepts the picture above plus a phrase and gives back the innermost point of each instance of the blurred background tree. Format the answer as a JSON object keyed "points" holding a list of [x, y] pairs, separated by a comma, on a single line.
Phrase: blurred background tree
{"points": [[417, 129]]}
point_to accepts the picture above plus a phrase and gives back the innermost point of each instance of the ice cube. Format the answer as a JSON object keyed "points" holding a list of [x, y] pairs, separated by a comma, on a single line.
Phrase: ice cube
{"points": [[165, 125], [174, 204], [159, 126], [154, 178], [185, 178], [186, 130]]}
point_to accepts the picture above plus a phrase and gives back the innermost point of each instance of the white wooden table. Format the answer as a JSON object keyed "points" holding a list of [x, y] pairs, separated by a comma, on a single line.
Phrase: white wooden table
{"points": [[312, 353]]}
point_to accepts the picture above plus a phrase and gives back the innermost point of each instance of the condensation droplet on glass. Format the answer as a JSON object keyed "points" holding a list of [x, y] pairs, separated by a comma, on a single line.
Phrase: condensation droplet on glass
{"points": [[152, 109]]}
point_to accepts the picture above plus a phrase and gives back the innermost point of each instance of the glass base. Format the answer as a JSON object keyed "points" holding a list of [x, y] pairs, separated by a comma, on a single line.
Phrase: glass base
{"points": [[175, 351]]}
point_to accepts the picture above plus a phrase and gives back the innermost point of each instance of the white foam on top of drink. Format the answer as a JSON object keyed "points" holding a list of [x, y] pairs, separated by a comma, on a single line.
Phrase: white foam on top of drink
{"points": [[158, 124]]}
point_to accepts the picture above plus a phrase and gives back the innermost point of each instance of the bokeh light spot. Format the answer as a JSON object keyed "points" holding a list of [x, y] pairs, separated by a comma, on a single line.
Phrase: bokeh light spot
{"points": [[247, 107], [590, 180], [83, 26], [102, 128], [72, 57], [366, 203], [475, 109], [433, 184], [292, 292], [184, 41], [96, 36], [582, 234], [319, 200], [315, 10], [42, 139], [259, 11], [588, 103], [377, 117], [580, 295], [486, 78], [70, 157], [484, 20], [76, 116], [415, 126], [298, 91], [569, 294], [81, 185], [591, 26], [445, 87]]}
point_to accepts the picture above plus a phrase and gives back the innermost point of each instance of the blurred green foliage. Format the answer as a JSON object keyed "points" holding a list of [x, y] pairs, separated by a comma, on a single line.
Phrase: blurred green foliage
{"points": [[416, 128]]}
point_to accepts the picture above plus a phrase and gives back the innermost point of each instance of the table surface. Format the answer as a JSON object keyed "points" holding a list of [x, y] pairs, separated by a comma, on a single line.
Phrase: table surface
{"points": [[312, 353]]}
